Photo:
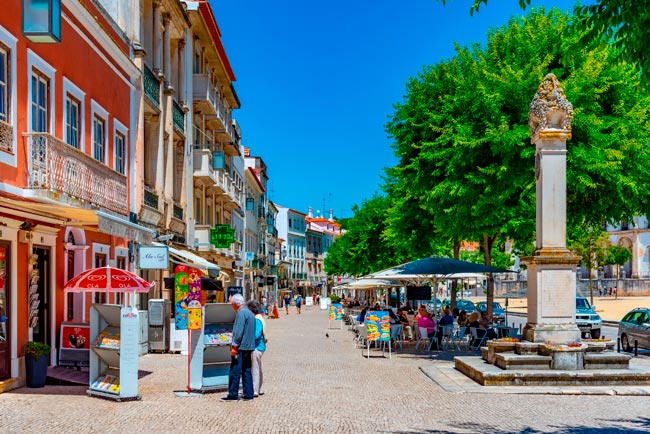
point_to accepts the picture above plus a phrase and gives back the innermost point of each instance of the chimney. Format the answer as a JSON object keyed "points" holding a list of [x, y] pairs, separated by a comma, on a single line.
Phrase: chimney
{"points": [[331, 215], [310, 214], [247, 152]]}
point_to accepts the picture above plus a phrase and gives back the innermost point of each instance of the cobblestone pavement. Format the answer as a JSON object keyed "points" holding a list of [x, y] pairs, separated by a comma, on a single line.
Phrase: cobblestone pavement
{"points": [[316, 384]]}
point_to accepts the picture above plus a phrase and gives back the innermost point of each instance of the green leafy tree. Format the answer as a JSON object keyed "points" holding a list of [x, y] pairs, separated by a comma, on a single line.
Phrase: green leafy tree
{"points": [[617, 255], [589, 244], [361, 249], [625, 25], [463, 142]]}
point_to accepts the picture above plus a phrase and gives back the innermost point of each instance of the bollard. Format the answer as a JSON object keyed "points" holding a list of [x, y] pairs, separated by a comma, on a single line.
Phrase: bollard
{"points": [[636, 348], [618, 345]]}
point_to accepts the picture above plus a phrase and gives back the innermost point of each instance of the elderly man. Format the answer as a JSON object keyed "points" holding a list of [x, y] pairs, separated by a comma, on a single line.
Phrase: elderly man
{"points": [[243, 344]]}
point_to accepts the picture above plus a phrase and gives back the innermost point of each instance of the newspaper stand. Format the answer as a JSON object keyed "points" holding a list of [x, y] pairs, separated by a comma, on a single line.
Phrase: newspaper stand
{"points": [[210, 349], [114, 334]]}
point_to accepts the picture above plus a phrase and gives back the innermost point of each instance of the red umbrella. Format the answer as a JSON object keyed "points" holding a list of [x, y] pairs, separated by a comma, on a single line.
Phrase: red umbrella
{"points": [[107, 279]]}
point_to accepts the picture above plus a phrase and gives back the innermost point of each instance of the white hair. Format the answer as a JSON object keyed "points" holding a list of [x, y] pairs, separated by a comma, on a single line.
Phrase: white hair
{"points": [[237, 299]]}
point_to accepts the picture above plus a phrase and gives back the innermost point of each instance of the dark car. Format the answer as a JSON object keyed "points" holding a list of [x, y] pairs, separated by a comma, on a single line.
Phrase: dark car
{"points": [[438, 306], [497, 310], [635, 326], [465, 305]]}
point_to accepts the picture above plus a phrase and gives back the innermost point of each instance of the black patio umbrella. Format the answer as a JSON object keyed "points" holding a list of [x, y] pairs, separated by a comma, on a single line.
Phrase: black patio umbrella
{"points": [[435, 267]]}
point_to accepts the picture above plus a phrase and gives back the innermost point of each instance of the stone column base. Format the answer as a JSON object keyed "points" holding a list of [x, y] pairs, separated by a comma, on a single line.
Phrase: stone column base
{"points": [[554, 333]]}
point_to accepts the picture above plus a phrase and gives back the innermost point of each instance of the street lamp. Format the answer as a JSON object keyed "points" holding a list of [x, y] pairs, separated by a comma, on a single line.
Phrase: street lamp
{"points": [[42, 20]]}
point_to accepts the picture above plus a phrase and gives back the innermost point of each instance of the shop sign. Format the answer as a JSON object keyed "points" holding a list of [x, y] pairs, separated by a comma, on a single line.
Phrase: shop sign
{"points": [[222, 236], [153, 257]]}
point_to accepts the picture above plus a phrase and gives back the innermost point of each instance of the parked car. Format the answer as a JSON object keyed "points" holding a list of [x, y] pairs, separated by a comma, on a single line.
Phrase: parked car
{"points": [[465, 305], [588, 321], [635, 326], [497, 310], [435, 309]]}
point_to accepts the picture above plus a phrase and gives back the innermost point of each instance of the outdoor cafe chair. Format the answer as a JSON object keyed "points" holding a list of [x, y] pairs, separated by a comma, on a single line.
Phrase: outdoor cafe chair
{"points": [[423, 335], [477, 340], [397, 334], [461, 338], [362, 336], [447, 341]]}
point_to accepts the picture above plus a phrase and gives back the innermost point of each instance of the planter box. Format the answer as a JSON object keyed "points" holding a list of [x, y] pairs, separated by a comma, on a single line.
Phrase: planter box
{"points": [[35, 370]]}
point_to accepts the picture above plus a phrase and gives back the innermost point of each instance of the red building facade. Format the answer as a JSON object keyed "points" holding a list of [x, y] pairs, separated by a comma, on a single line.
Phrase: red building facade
{"points": [[67, 172]]}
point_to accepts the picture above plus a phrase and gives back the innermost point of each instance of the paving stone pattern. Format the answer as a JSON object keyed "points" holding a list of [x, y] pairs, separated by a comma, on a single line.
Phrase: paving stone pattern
{"points": [[316, 384]]}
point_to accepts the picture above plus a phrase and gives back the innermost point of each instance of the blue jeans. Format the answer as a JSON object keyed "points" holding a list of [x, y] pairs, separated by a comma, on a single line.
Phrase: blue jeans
{"points": [[241, 368]]}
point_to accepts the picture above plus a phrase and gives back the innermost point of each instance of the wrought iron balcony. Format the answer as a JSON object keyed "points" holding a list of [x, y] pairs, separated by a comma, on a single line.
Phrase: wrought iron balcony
{"points": [[6, 137], [58, 167], [178, 115], [150, 199], [151, 86], [178, 212]]}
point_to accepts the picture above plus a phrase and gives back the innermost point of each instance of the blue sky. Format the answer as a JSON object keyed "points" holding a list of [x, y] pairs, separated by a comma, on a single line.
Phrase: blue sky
{"points": [[317, 82]]}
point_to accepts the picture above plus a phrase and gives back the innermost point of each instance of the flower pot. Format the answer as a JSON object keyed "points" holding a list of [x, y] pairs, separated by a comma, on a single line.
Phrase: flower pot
{"points": [[36, 370]]}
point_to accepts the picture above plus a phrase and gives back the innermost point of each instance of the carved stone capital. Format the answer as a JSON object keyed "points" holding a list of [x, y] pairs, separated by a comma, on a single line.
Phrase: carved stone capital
{"points": [[550, 111]]}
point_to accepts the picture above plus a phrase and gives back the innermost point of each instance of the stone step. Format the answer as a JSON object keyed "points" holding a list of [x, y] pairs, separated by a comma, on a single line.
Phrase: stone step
{"points": [[607, 360], [509, 361]]}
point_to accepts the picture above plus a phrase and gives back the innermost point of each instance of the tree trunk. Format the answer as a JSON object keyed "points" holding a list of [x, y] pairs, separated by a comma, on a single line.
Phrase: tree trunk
{"points": [[488, 242], [454, 283]]}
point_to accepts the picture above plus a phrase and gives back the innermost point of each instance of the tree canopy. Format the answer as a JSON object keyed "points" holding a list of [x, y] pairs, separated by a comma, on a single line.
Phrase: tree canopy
{"points": [[625, 25]]}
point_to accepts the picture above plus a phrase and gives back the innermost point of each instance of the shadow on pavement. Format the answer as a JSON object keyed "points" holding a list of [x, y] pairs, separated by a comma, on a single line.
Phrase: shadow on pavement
{"points": [[640, 425]]}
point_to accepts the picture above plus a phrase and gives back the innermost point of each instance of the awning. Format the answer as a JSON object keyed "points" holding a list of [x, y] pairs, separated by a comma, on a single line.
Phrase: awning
{"points": [[184, 257], [73, 216]]}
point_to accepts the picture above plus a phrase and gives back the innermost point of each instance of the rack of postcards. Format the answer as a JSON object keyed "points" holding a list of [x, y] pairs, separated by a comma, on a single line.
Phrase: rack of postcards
{"points": [[114, 336], [34, 300], [210, 349]]}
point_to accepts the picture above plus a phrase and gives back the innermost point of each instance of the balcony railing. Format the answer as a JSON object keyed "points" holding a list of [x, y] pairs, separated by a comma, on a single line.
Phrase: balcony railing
{"points": [[178, 115], [6, 137], [150, 199], [58, 167], [203, 90], [151, 86], [178, 212]]}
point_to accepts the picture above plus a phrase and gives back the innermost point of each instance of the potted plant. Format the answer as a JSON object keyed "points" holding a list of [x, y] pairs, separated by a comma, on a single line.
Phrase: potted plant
{"points": [[36, 361]]}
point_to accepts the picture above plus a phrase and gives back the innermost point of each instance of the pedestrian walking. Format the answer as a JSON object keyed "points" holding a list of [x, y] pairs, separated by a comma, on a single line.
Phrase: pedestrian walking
{"points": [[241, 349], [260, 347], [287, 302], [298, 302]]}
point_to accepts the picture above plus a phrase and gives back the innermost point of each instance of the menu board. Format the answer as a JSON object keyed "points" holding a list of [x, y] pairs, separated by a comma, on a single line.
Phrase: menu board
{"points": [[378, 325], [336, 311]]}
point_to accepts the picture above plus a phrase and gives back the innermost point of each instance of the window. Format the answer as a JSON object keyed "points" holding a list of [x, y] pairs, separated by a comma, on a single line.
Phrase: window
{"points": [[4, 84], [40, 102], [72, 121], [99, 134], [120, 149]]}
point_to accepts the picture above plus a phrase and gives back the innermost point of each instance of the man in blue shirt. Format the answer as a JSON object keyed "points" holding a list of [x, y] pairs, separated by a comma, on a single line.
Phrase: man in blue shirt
{"points": [[243, 344]]}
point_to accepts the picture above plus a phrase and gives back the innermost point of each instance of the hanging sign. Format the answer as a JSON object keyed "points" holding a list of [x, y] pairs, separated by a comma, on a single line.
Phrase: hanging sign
{"points": [[222, 236], [180, 296], [153, 257]]}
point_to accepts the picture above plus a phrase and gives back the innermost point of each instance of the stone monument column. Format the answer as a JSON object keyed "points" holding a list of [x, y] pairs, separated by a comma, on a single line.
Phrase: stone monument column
{"points": [[552, 268]]}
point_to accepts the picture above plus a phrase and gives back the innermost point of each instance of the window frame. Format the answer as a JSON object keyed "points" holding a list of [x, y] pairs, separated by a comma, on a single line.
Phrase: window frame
{"points": [[98, 112], [120, 130], [71, 90], [35, 62], [8, 156]]}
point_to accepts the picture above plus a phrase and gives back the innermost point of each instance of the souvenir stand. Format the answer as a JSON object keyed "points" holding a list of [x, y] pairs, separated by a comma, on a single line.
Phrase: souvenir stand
{"points": [[115, 333], [210, 354]]}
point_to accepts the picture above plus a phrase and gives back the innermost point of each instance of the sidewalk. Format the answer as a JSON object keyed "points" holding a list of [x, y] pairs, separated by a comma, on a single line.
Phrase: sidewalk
{"points": [[316, 384]]}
